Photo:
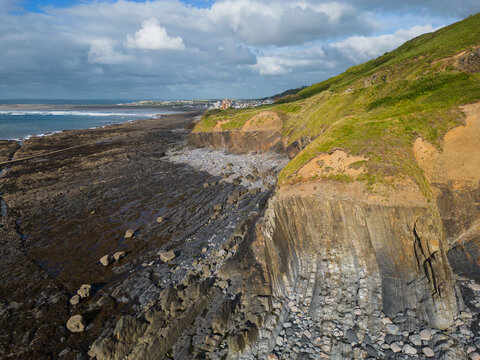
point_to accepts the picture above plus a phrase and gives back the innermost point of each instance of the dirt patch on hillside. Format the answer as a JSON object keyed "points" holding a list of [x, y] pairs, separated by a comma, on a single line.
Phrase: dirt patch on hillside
{"points": [[334, 164], [459, 162], [263, 121], [405, 192], [467, 61], [219, 126]]}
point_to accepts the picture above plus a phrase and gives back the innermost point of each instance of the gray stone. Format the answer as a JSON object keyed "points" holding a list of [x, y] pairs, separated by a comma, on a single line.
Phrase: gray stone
{"points": [[474, 356], [279, 341], [84, 291], [287, 325], [410, 313], [119, 255], [409, 350], [392, 329], [415, 340], [386, 320], [351, 335], [166, 256], [129, 233], [428, 352], [425, 335], [371, 351], [76, 323], [395, 348], [64, 352], [255, 191]]}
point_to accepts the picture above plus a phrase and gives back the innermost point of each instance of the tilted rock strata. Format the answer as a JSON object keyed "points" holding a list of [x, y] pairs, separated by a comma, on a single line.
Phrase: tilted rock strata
{"points": [[396, 249]]}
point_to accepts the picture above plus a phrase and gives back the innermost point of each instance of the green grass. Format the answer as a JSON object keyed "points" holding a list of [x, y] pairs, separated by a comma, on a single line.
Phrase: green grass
{"points": [[396, 98]]}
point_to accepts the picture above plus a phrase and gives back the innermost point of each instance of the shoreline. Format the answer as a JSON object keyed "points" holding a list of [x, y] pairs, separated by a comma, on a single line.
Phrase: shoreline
{"points": [[141, 117], [62, 211]]}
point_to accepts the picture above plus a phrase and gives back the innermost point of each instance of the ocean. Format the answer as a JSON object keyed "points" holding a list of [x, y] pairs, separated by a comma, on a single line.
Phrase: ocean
{"points": [[19, 122]]}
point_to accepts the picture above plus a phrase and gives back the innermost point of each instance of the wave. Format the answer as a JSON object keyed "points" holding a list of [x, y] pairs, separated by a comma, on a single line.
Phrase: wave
{"points": [[73, 113]]}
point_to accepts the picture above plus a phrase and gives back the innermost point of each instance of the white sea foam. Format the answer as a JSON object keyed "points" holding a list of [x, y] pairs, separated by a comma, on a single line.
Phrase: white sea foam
{"points": [[75, 113]]}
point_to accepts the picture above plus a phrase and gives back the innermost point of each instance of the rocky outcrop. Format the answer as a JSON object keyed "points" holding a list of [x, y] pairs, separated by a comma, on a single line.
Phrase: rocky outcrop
{"points": [[331, 250], [395, 248], [263, 132]]}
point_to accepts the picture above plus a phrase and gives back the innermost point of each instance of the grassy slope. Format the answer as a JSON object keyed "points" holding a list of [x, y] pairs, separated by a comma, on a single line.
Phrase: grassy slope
{"points": [[389, 103]]}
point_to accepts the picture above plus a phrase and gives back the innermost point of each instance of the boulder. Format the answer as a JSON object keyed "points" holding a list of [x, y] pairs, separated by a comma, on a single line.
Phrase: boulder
{"points": [[119, 255], [428, 352], [425, 335], [166, 256], [75, 299], [159, 219], [84, 291], [409, 350], [105, 260], [395, 347], [129, 233], [415, 339], [392, 329], [255, 191], [237, 181], [76, 323]]}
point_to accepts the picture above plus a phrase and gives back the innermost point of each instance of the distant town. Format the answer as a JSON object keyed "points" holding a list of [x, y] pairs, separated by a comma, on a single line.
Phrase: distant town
{"points": [[208, 104]]}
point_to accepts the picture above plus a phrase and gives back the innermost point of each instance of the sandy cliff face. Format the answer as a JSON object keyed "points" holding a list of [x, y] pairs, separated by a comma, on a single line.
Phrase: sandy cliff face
{"points": [[260, 133], [454, 174]]}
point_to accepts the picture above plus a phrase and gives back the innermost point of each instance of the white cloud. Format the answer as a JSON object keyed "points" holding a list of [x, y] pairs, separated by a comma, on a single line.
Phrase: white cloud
{"points": [[102, 52], [280, 23], [269, 65], [362, 48], [154, 37], [284, 63], [236, 48]]}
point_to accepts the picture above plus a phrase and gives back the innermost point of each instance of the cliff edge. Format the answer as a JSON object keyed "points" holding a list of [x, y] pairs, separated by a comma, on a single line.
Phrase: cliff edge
{"points": [[369, 244]]}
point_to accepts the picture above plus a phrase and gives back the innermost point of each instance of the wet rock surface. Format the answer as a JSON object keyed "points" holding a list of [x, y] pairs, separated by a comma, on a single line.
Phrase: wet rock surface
{"points": [[137, 246], [65, 212]]}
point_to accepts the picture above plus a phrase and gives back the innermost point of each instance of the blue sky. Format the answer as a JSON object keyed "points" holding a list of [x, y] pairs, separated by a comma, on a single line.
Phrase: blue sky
{"points": [[38, 5], [171, 49]]}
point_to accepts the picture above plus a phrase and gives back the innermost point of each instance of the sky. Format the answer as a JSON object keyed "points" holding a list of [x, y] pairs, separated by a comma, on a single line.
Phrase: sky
{"points": [[199, 49]]}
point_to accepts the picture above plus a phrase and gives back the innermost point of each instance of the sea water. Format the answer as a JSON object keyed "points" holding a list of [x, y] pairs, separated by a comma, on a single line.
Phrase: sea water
{"points": [[21, 124]]}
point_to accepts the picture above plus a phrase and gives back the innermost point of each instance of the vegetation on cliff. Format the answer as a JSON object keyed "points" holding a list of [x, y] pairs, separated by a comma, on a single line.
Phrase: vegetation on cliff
{"points": [[377, 109]]}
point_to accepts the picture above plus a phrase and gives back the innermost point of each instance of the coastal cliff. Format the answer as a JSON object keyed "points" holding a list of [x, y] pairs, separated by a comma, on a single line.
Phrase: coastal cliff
{"points": [[262, 132], [372, 232], [363, 244]]}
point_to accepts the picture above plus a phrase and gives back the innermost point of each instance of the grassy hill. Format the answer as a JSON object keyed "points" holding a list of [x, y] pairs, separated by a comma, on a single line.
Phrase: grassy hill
{"points": [[378, 109]]}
